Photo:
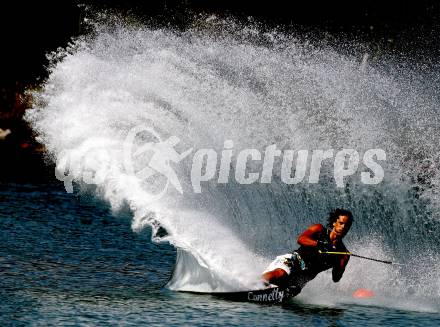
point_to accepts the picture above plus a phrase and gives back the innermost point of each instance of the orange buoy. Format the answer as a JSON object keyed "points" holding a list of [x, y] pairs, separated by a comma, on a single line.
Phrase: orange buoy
{"points": [[363, 293]]}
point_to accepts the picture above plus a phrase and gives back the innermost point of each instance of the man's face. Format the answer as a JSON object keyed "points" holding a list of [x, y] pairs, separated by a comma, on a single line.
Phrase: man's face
{"points": [[341, 226]]}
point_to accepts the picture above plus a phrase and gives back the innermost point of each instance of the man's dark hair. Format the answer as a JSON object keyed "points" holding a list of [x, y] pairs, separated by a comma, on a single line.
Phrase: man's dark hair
{"points": [[334, 215]]}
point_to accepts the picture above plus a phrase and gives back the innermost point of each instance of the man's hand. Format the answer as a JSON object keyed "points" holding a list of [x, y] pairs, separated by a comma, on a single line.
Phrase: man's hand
{"points": [[324, 246]]}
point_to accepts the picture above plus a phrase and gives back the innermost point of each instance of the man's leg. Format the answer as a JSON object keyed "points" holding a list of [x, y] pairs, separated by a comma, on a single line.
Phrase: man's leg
{"points": [[277, 277]]}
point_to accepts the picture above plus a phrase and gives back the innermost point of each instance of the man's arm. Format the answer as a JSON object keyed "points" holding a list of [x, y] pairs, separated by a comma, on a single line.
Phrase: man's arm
{"points": [[339, 269], [310, 236]]}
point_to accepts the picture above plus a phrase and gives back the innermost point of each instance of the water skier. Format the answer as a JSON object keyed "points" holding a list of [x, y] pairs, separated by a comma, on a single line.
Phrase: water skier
{"points": [[296, 269]]}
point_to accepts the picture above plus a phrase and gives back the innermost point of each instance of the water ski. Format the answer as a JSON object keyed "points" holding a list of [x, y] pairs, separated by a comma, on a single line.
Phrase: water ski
{"points": [[268, 295]]}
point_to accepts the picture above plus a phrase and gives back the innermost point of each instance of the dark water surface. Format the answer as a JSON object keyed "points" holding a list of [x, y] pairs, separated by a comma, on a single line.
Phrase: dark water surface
{"points": [[67, 260]]}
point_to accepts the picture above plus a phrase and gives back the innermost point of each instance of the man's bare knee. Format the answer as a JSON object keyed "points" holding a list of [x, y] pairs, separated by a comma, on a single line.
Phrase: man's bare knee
{"points": [[275, 275]]}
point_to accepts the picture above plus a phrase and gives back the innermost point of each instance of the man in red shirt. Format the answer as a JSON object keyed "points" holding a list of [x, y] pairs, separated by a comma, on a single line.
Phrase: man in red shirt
{"points": [[297, 268]]}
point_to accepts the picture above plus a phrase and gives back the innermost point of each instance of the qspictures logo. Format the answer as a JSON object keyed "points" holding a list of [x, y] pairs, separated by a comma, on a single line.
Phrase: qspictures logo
{"points": [[92, 163]]}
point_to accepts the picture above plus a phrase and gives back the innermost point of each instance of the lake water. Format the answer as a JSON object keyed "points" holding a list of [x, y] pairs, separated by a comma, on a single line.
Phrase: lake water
{"points": [[66, 260]]}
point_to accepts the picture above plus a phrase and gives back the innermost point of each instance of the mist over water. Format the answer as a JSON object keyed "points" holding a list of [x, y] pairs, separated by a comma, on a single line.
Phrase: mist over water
{"points": [[225, 81]]}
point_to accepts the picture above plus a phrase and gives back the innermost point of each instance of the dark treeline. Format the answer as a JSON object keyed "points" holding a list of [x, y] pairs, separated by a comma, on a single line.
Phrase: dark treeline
{"points": [[401, 26], [31, 30]]}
